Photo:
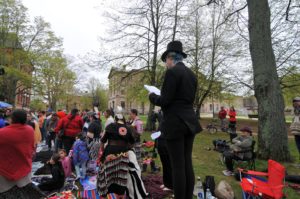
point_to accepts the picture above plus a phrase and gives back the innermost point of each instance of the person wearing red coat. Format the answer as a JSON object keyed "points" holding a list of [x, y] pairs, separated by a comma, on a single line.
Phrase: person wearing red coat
{"points": [[232, 123], [16, 150], [72, 125], [222, 117]]}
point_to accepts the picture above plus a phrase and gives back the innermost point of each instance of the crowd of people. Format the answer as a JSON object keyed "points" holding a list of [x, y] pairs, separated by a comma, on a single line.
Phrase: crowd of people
{"points": [[79, 137], [74, 139]]}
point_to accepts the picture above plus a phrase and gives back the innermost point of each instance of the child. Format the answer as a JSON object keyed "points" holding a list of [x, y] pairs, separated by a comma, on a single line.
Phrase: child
{"points": [[58, 177], [66, 162], [80, 156]]}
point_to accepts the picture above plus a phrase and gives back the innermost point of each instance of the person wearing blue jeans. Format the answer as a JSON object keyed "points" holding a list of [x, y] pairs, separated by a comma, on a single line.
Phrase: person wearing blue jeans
{"points": [[81, 166]]}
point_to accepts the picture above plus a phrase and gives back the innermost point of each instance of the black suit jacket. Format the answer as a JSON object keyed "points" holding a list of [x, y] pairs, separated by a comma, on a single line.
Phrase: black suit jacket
{"points": [[176, 101]]}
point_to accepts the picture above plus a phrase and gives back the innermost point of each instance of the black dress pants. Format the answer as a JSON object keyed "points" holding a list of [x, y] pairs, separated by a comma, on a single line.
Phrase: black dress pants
{"points": [[166, 163], [180, 151]]}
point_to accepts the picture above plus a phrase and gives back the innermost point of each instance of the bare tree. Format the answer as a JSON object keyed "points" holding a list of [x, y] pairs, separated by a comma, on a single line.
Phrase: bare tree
{"points": [[210, 49], [140, 32]]}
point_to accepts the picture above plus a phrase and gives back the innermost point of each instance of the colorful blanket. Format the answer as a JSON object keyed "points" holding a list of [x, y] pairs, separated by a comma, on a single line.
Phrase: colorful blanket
{"points": [[89, 183]]}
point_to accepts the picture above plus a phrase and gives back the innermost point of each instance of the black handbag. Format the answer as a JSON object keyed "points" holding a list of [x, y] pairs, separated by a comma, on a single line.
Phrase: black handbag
{"points": [[61, 133]]}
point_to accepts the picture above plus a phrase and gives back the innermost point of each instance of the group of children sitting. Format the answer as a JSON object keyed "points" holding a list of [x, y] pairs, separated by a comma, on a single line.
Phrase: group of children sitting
{"points": [[61, 165]]}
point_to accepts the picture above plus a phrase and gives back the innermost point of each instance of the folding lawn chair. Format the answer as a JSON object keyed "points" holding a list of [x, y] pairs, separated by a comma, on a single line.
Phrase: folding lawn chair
{"points": [[250, 161], [263, 185]]}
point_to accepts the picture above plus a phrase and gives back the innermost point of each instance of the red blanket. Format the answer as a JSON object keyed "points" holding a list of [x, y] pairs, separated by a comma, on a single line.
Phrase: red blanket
{"points": [[16, 149]]}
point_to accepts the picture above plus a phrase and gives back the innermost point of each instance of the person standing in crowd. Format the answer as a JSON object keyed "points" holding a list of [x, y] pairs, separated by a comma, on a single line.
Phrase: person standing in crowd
{"points": [[80, 156], [109, 118], [232, 123], [16, 150], [153, 121], [222, 117], [164, 157], [41, 120], [58, 141], [137, 125], [37, 133], [180, 124], [71, 126], [241, 143], [50, 127], [295, 125], [119, 159], [95, 127]]}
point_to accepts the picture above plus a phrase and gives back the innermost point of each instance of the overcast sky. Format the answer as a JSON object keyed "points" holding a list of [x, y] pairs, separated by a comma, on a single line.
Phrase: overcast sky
{"points": [[78, 22]]}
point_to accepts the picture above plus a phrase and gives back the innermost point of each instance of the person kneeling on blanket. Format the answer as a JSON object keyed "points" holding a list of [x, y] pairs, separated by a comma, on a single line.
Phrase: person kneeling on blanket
{"points": [[119, 172], [241, 143]]}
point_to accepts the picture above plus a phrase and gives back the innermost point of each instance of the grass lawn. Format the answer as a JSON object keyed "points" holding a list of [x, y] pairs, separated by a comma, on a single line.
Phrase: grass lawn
{"points": [[207, 162]]}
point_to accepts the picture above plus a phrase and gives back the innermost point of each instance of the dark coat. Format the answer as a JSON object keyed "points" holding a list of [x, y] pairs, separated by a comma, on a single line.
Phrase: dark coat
{"points": [[57, 180], [176, 101]]}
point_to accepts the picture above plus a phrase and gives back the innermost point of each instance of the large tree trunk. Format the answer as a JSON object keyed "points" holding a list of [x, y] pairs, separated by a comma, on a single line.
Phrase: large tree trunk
{"points": [[272, 132]]}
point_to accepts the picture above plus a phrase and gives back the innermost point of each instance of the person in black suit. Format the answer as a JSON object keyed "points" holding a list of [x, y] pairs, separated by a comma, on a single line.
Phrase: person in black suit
{"points": [[180, 124]]}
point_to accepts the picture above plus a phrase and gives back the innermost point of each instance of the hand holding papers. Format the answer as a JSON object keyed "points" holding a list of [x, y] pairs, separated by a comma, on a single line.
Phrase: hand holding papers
{"points": [[155, 135], [152, 89]]}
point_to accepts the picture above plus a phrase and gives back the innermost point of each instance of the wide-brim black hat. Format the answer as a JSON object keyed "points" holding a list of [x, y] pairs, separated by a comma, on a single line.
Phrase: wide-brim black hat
{"points": [[173, 46]]}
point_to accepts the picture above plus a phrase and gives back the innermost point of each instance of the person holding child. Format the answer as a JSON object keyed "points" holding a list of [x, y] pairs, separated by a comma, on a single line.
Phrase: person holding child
{"points": [[80, 156], [58, 177]]}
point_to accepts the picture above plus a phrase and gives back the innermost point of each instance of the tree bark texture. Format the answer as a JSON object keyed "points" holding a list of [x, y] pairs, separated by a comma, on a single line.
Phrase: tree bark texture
{"points": [[272, 132]]}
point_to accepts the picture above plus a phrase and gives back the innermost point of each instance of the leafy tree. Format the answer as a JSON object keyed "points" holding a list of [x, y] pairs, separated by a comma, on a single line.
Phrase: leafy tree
{"points": [[53, 79], [37, 105]]}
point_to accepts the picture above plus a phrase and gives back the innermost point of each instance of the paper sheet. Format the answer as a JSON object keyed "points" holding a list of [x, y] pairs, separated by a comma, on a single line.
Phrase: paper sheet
{"points": [[152, 89], [155, 135]]}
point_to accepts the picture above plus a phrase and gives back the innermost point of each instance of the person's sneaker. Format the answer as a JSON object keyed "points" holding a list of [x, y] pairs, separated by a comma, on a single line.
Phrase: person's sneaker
{"points": [[162, 186], [228, 173]]}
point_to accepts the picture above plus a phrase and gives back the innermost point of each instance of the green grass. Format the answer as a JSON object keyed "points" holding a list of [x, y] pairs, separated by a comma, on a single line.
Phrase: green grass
{"points": [[207, 162]]}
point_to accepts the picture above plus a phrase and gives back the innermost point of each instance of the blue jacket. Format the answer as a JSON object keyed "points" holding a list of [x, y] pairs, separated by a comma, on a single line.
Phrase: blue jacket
{"points": [[2, 123], [80, 152]]}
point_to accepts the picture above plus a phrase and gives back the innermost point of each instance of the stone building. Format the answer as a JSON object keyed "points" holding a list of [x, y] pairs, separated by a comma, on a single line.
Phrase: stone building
{"points": [[121, 84]]}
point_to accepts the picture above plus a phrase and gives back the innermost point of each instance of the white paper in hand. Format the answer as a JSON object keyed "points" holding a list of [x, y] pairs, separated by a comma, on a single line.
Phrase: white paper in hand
{"points": [[152, 89], [155, 135]]}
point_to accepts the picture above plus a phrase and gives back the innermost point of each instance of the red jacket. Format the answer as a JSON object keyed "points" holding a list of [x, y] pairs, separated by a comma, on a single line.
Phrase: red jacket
{"points": [[74, 127], [222, 114], [232, 116], [16, 150]]}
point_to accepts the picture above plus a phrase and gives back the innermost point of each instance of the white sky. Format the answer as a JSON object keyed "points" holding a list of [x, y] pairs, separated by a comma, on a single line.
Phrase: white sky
{"points": [[78, 22]]}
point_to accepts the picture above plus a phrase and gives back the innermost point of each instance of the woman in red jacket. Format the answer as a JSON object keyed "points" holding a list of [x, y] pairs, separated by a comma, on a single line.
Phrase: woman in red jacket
{"points": [[72, 125], [232, 123]]}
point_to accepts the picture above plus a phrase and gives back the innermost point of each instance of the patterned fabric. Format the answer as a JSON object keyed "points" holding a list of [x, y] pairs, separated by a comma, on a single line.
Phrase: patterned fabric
{"points": [[94, 147], [114, 170], [27, 192], [124, 171], [80, 152]]}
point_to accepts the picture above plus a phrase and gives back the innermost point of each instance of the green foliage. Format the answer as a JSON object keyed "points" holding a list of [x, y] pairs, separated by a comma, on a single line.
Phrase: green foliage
{"points": [[53, 79], [290, 87], [37, 105]]}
